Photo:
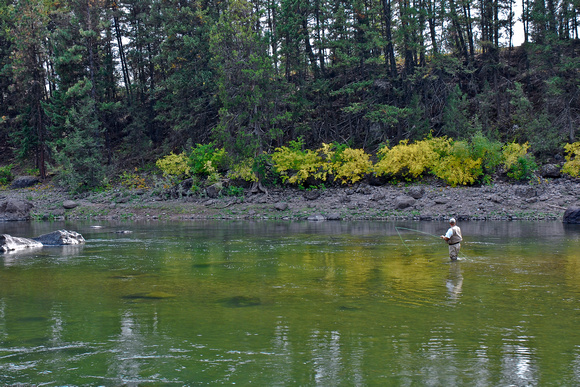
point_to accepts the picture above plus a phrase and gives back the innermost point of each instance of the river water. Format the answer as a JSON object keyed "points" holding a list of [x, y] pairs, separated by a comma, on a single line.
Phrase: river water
{"points": [[293, 303]]}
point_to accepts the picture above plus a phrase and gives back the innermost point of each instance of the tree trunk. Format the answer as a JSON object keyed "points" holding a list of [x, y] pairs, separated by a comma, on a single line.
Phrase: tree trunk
{"points": [[390, 50]]}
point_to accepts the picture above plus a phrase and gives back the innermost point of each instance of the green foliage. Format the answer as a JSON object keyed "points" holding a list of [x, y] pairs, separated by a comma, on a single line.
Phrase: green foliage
{"points": [[456, 116], [6, 174], [572, 164], [80, 154], [519, 164], [233, 190], [206, 159], [174, 165], [489, 152]]}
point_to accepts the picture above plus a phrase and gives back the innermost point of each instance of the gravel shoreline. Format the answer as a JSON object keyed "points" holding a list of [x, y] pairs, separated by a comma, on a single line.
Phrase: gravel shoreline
{"points": [[543, 200]]}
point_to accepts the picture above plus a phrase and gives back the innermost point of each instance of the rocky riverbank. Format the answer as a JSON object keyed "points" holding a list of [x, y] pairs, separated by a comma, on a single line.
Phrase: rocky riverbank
{"points": [[542, 200]]}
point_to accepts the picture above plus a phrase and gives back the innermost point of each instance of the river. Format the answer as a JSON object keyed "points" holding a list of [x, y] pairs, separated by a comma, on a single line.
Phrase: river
{"points": [[293, 303]]}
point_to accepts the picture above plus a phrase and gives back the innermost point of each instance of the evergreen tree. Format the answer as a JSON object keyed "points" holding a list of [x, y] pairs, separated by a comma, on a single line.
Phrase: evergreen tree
{"points": [[252, 99], [81, 154], [185, 95], [28, 132]]}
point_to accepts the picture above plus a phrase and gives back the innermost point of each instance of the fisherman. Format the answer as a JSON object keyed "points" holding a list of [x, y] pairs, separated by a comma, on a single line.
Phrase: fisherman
{"points": [[453, 238]]}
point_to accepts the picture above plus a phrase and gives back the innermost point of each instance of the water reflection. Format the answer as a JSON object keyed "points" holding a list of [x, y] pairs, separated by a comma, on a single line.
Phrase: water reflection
{"points": [[454, 281], [337, 304]]}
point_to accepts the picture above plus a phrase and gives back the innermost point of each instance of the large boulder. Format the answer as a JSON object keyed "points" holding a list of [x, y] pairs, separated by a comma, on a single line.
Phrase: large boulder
{"points": [[550, 170], [9, 243], [416, 192], [60, 238], [24, 181], [15, 209], [572, 215], [402, 202]]}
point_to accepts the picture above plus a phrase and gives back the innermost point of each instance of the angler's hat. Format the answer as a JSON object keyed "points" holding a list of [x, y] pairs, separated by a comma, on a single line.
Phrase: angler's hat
{"points": [[452, 221]]}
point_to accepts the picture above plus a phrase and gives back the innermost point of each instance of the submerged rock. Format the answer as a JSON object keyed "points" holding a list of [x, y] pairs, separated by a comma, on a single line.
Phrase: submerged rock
{"points": [[150, 296], [242, 301]]}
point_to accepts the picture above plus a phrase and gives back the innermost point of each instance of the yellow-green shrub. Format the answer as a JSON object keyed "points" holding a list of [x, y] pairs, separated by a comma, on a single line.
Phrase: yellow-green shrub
{"points": [[174, 165], [518, 163], [296, 165], [511, 152], [244, 171], [408, 160], [456, 166], [572, 164], [350, 166]]}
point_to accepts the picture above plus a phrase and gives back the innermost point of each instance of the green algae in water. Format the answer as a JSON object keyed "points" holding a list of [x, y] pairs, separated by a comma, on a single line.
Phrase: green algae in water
{"points": [[241, 301], [150, 296]]}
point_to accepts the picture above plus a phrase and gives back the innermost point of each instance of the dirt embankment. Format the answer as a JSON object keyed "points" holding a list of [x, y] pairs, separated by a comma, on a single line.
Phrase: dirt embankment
{"points": [[543, 200]]}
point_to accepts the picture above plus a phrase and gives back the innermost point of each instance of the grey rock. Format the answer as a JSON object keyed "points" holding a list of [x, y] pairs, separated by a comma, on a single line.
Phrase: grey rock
{"points": [[15, 209], [24, 181], [281, 206], [402, 202], [311, 195], [526, 192], [378, 196], [69, 204], [496, 198], [572, 215], [550, 170], [214, 190], [333, 216], [60, 238], [316, 218], [416, 192], [441, 200], [364, 189], [9, 243]]}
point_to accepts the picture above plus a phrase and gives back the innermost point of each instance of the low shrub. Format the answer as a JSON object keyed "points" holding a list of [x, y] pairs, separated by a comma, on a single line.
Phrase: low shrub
{"points": [[295, 165], [6, 174], [457, 166], [206, 159], [572, 164], [345, 164], [174, 165], [407, 161], [519, 164]]}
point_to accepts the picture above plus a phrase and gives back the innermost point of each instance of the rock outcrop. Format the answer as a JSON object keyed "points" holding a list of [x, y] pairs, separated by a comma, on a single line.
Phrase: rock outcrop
{"points": [[572, 215], [56, 238]]}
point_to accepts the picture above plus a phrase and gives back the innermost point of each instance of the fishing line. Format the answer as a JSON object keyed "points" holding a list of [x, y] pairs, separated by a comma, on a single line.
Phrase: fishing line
{"points": [[404, 244], [412, 229], [462, 255]]}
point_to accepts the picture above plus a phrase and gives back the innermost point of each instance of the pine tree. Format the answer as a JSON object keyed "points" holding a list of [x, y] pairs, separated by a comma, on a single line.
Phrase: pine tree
{"points": [[252, 99]]}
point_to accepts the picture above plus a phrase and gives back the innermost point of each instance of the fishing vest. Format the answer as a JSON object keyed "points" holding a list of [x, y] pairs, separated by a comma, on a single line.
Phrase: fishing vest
{"points": [[456, 237]]}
